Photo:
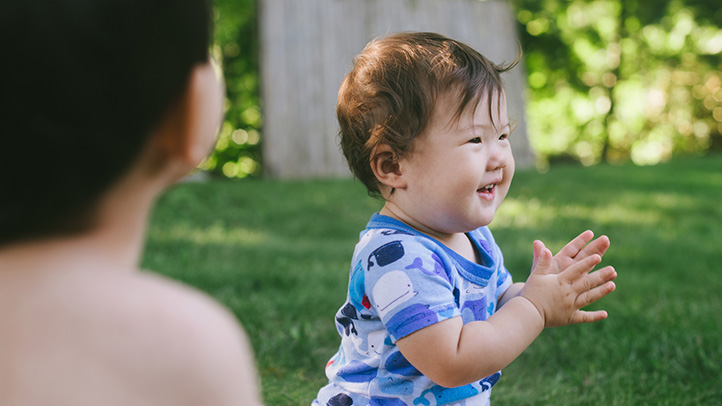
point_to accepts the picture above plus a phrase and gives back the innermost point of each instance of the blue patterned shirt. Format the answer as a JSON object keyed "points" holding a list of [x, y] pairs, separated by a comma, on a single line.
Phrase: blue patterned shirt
{"points": [[401, 281]]}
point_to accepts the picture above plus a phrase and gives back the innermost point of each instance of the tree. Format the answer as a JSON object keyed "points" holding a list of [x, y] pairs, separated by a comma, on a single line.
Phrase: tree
{"points": [[237, 153], [622, 79]]}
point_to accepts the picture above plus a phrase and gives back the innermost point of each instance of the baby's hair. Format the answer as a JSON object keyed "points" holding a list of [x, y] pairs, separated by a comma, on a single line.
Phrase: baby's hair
{"points": [[84, 84], [390, 93]]}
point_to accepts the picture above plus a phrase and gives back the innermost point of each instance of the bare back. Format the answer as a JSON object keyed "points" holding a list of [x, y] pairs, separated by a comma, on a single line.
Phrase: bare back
{"points": [[77, 334]]}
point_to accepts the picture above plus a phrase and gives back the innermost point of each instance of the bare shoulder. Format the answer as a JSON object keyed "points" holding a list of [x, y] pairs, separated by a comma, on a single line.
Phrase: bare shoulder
{"points": [[118, 337], [206, 354]]}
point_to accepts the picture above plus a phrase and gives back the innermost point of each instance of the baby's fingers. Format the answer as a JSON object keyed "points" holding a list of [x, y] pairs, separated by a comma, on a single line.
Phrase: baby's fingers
{"points": [[581, 267], [542, 258], [597, 285], [577, 244], [598, 246], [594, 279], [582, 316]]}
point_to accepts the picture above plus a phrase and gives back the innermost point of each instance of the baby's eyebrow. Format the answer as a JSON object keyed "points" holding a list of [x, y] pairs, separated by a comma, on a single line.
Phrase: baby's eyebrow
{"points": [[489, 126]]}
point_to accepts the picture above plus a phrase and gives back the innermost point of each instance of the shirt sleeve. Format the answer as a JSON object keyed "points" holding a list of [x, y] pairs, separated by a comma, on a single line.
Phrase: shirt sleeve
{"points": [[407, 284]]}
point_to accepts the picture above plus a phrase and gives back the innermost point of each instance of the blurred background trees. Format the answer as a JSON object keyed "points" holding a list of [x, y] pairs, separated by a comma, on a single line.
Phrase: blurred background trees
{"points": [[238, 152], [619, 80], [609, 80]]}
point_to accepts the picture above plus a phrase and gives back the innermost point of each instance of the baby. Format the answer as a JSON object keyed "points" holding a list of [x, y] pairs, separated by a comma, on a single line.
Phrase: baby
{"points": [[432, 315]]}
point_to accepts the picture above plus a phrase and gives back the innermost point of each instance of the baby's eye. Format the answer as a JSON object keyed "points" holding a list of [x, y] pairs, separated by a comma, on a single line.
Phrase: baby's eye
{"points": [[475, 140], [504, 136]]}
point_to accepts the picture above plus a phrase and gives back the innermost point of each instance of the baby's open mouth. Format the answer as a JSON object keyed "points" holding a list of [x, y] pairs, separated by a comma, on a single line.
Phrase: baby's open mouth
{"points": [[487, 188]]}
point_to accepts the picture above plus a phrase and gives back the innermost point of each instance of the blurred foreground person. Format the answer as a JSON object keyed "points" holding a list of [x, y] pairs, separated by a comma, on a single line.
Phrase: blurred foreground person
{"points": [[105, 104]]}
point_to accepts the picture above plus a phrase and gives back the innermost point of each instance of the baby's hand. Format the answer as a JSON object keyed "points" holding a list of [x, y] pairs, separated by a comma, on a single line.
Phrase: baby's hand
{"points": [[577, 249], [560, 286]]}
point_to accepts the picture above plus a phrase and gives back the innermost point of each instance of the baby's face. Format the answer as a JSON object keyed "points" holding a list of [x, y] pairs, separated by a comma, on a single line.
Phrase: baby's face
{"points": [[459, 171]]}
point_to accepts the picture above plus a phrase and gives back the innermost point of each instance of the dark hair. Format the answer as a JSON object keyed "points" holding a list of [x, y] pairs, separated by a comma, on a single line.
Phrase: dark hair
{"points": [[390, 93], [84, 84]]}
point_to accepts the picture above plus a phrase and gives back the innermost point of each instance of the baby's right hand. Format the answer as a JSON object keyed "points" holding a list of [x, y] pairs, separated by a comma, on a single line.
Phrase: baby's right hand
{"points": [[560, 294]]}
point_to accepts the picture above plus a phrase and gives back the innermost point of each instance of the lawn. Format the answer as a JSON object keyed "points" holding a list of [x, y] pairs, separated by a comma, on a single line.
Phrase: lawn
{"points": [[277, 253]]}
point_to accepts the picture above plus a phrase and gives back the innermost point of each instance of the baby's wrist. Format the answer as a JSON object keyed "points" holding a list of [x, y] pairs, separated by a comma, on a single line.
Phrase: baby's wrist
{"points": [[533, 308]]}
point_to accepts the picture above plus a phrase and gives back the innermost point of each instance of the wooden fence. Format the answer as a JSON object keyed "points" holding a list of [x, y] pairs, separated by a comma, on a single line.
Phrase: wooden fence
{"points": [[307, 47]]}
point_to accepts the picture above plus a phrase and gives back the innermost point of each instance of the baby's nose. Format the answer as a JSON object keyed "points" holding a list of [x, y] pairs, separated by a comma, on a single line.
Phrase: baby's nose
{"points": [[497, 158]]}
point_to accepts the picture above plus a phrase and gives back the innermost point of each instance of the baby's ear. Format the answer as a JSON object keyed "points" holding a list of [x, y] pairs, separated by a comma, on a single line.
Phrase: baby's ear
{"points": [[188, 130], [385, 165]]}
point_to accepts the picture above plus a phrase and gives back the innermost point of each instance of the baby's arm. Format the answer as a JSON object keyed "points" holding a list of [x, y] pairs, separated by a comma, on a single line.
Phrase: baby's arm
{"points": [[451, 353]]}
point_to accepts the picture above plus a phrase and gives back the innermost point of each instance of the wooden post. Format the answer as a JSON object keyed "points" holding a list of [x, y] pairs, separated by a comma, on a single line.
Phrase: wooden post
{"points": [[307, 48]]}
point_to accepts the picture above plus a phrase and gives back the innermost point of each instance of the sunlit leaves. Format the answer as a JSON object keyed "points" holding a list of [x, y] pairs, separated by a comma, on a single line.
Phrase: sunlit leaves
{"points": [[622, 80], [237, 153]]}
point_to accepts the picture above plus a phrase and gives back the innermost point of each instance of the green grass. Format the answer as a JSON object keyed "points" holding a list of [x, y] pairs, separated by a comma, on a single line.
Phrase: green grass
{"points": [[277, 254]]}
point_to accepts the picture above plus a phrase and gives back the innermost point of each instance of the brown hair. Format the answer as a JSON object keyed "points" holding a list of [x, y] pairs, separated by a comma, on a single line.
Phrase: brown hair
{"points": [[390, 93]]}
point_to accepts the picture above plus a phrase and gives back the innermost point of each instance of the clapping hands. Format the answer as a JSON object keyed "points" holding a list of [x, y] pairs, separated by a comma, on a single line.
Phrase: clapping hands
{"points": [[560, 285]]}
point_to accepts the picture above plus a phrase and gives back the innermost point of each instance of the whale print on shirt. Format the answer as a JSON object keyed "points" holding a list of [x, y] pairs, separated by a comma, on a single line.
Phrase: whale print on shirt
{"points": [[391, 290], [438, 267], [357, 288], [474, 310], [376, 342], [346, 321], [400, 283], [489, 381], [398, 364], [444, 395], [357, 371], [341, 399], [386, 254]]}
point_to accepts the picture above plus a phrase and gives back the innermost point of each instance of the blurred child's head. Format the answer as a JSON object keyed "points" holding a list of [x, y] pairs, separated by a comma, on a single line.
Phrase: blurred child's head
{"points": [[390, 94], [85, 85]]}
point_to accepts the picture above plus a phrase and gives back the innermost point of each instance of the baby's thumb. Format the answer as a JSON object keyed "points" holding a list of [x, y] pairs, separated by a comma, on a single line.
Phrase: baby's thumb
{"points": [[542, 257]]}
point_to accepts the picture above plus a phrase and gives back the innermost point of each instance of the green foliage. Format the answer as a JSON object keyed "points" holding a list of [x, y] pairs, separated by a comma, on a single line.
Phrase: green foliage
{"points": [[622, 79], [238, 152], [277, 254], [609, 80]]}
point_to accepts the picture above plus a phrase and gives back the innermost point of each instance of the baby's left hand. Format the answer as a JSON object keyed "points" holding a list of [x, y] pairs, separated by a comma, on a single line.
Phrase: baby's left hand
{"points": [[560, 296], [576, 250]]}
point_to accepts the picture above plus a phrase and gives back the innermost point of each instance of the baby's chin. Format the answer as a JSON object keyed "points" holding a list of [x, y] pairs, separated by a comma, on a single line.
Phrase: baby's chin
{"points": [[466, 228]]}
